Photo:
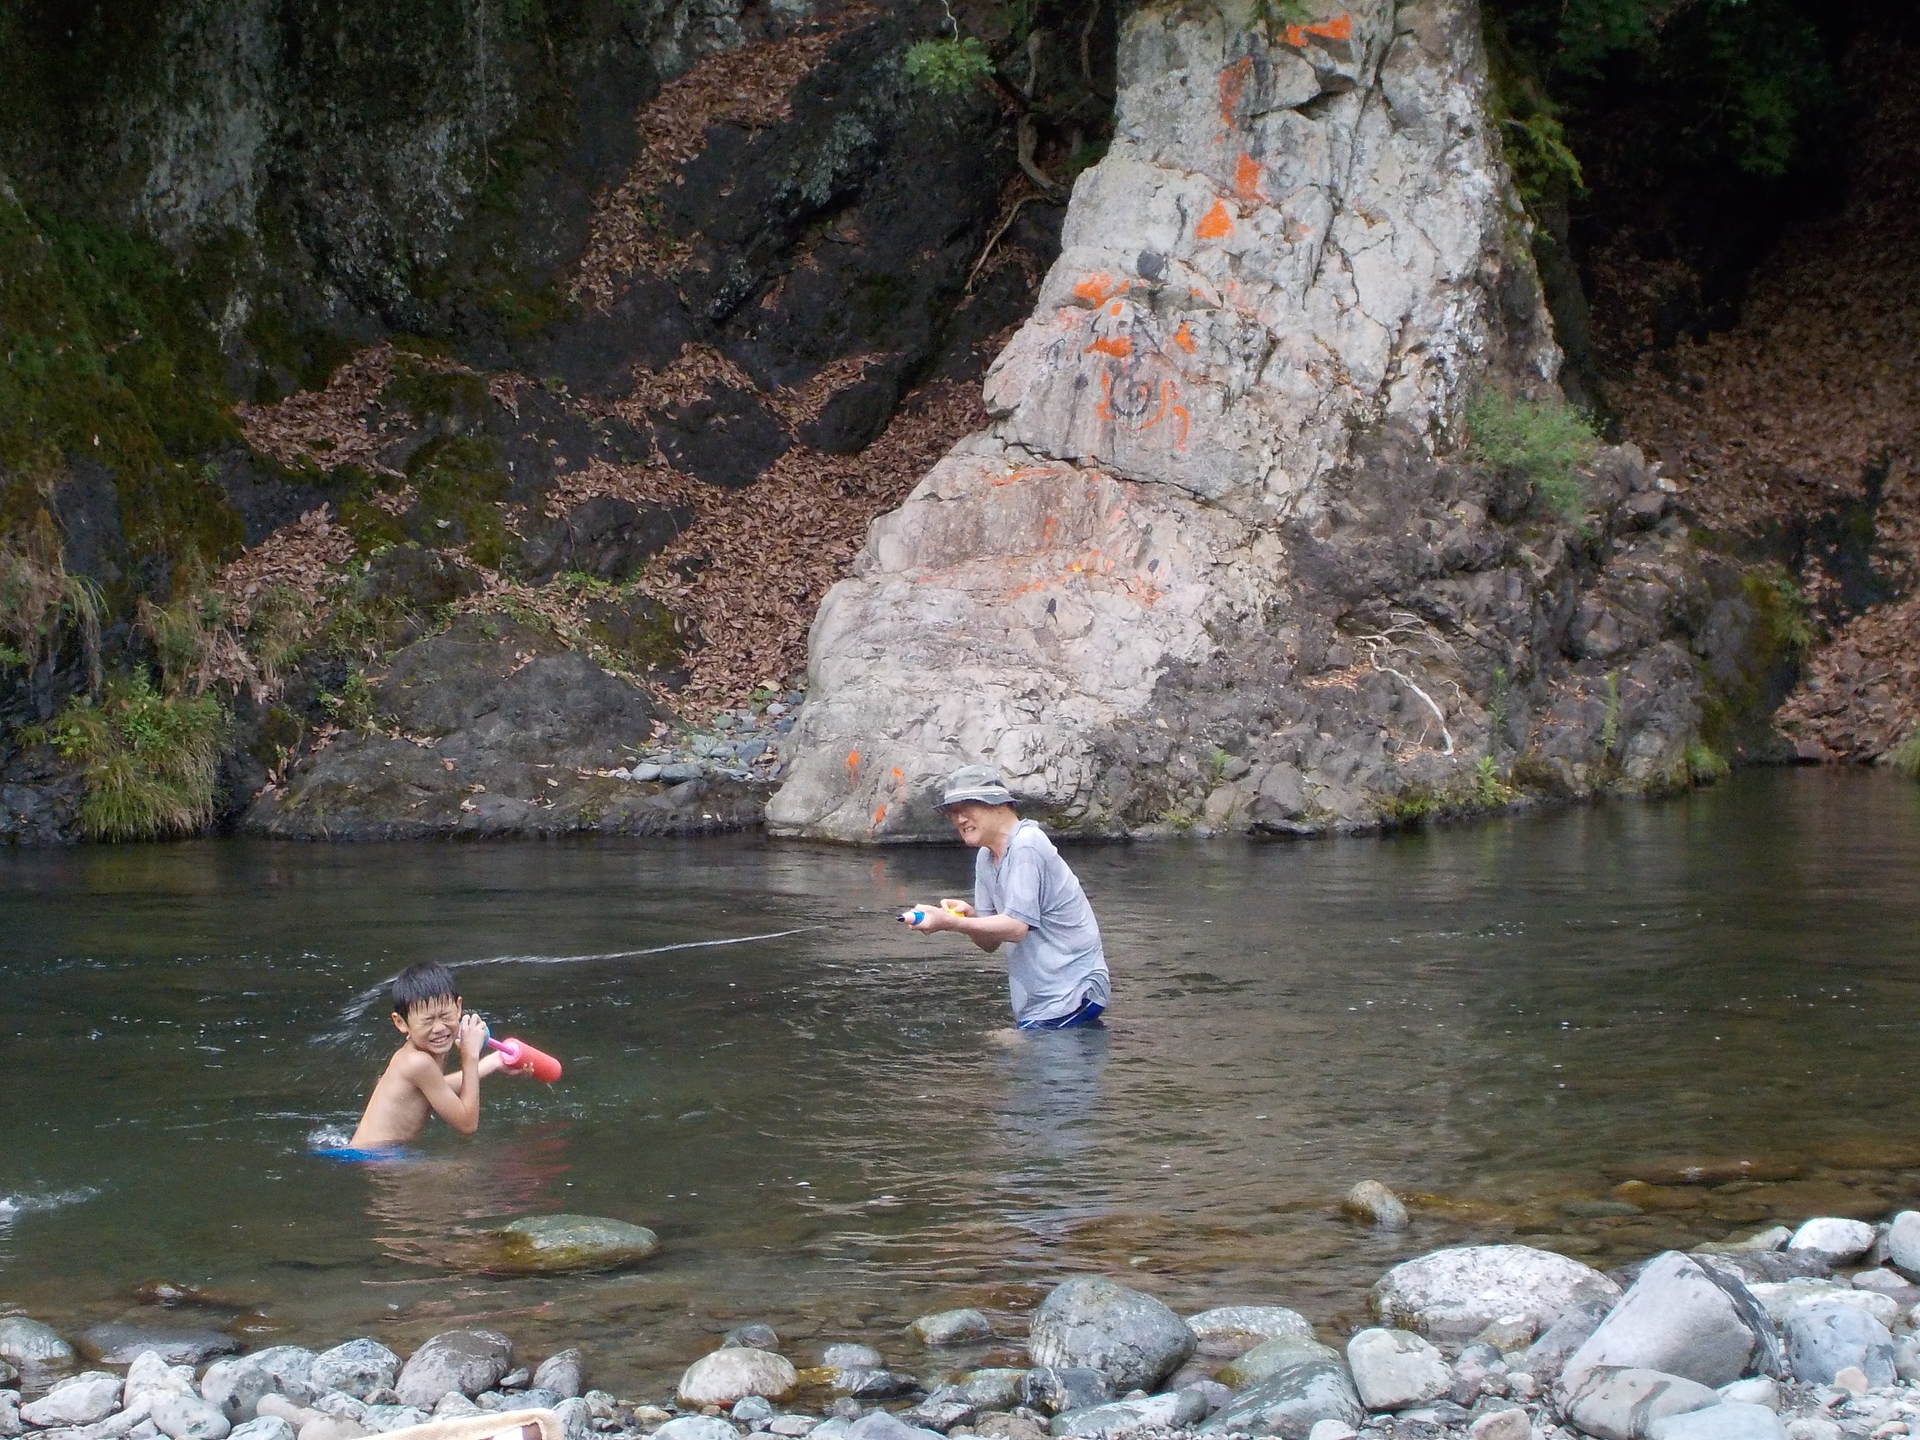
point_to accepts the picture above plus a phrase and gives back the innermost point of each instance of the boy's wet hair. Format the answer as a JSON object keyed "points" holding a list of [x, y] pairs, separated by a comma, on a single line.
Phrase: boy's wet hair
{"points": [[417, 984]]}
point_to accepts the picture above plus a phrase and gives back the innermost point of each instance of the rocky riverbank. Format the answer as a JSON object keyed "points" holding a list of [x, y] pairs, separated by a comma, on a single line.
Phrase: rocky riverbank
{"points": [[1804, 1334]]}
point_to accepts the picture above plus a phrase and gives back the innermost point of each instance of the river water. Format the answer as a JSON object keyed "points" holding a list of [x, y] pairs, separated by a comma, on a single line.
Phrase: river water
{"points": [[1503, 1021]]}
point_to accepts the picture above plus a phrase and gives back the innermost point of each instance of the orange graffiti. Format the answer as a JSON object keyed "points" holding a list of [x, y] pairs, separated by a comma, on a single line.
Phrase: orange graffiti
{"points": [[897, 776], [1095, 289], [1183, 337], [1233, 84], [1185, 421], [879, 814], [1216, 224], [1339, 27], [853, 760], [1114, 309], [1246, 178], [1119, 346]]}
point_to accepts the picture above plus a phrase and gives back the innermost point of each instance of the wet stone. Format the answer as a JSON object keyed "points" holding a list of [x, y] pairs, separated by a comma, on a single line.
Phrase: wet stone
{"points": [[564, 1372], [80, 1400], [1052, 1389], [849, 1356], [952, 1327], [1231, 1330], [1093, 1323], [735, 1372], [570, 1244], [120, 1344], [29, 1344], [751, 1337]]}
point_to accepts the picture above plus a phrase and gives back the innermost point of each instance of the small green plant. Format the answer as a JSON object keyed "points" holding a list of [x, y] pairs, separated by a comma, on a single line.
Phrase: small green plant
{"points": [[1706, 764], [1905, 757], [149, 760], [1490, 791], [354, 707], [41, 603], [949, 65], [1545, 440], [1217, 760], [1610, 725]]}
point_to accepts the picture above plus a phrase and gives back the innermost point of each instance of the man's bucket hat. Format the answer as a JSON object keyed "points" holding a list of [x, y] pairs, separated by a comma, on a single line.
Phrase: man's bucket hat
{"points": [[976, 782]]}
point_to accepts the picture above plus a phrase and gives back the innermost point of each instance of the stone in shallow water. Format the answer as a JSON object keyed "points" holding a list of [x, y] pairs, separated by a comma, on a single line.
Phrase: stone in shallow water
{"points": [[867, 1382], [1374, 1203], [952, 1327], [565, 1244], [1092, 1322], [848, 1356], [993, 1389], [1053, 1389], [28, 1343], [121, 1344], [753, 1337], [1456, 1293], [735, 1372]]}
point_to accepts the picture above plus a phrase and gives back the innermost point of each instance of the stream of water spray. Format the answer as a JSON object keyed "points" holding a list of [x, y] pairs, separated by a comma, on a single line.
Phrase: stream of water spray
{"points": [[357, 1008]]}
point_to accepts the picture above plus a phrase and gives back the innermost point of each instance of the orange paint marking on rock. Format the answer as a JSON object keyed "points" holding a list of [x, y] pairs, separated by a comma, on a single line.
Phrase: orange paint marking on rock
{"points": [[1233, 84], [879, 814], [1183, 337], [1334, 27], [1246, 178], [1216, 224], [853, 760], [1114, 309], [1186, 422], [1119, 346]]}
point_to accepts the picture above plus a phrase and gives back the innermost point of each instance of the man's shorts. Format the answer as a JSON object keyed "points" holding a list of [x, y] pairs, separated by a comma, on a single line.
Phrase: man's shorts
{"points": [[1088, 1014]]}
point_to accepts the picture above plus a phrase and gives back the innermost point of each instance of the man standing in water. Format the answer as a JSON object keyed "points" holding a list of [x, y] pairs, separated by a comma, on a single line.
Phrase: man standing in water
{"points": [[1025, 897]]}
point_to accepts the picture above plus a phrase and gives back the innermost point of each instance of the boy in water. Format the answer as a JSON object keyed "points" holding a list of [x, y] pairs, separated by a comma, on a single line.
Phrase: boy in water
{"points": [[1026, 897], [427, 1011]]}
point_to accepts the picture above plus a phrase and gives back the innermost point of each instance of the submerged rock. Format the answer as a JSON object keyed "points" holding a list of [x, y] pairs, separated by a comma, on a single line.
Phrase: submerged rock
{"points": [[952, 1327], [753, 1336], [565, 1244], [465, 1360], [120, 1344], [28, 1343], [846, 1356], [735, 1372], [1457, 1293], [1092, 1322], [1376, 1204]]}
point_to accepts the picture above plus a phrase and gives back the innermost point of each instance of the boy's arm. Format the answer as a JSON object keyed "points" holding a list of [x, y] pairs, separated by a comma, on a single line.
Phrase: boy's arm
{"points": [[459, 1107], [492, 1063]]}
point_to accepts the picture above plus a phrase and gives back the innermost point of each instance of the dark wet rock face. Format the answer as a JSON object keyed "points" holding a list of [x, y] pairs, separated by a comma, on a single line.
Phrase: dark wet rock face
{"points": [[487, 729]]}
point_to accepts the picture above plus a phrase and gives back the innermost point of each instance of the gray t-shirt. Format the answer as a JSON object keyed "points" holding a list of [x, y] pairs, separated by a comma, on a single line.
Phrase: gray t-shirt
{"points": [[1061, 964]]}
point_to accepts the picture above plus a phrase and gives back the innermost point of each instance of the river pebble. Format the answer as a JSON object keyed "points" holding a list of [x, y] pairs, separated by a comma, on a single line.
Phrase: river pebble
{"points": [[1456, 1293], [753, 1337], [1620, 1404], [1827, 1336], [1731, 1420], [1841, 1240], [564, 1372], [185, 1416], [1375, 1204], [262, 1427], [952, 1327], [696, 1427], [1053, 1389], [1231, 1330]]}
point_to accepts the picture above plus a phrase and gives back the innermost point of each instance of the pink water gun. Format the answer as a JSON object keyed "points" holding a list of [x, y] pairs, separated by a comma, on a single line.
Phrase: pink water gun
{"points": [[516, 1053]]}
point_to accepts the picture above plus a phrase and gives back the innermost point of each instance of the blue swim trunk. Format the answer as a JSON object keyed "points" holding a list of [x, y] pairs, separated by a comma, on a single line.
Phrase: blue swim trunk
{"points": [[348, 1155], [1087, 1014]]}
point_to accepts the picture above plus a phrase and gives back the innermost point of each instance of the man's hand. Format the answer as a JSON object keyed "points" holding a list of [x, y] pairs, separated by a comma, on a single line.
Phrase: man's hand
{"points": [[958, 907]]}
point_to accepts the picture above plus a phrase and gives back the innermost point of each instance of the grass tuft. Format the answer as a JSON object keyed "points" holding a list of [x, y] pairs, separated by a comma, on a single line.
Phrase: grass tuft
{"points": [[1905, 757], [149, 760]]}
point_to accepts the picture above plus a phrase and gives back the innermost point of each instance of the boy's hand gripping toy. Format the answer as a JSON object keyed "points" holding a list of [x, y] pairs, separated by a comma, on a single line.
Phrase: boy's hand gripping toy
{"points": [[516, 1053], [919, 912]]}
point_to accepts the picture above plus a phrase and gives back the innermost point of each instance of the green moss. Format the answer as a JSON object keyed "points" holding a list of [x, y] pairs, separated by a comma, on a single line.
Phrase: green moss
{"points": [[428, 393], [461, 486], [1905, 757], [1705, 764], [1740, 693], [148, 761]]}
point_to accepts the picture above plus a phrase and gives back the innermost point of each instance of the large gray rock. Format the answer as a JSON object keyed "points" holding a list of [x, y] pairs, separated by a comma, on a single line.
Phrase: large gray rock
{"points": [[1455, 1294], [1291, 1402], [576, 1423], [1219, 329], [358, 1367], [1090, 1321], [465, 1360], [1393, 1369], [1729, 1420], [1548, 1355], [1838, 1239], [1825, 1337], [566, 1244], [28, 1343], [78, 1400], [1231, 1330], [564, 1372], [1681, 1318], [237, 1383], [188, 1417], [1270, 1357], [1622, 1404], [9, 1414], [735, 1372], [1125, 1417]]}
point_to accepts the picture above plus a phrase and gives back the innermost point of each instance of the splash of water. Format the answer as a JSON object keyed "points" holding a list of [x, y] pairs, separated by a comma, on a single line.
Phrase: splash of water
{"points": [[12, 1207]]}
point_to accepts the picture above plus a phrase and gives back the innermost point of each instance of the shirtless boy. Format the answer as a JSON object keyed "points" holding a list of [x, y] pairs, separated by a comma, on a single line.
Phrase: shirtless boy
{"points": [[427, 1011]]}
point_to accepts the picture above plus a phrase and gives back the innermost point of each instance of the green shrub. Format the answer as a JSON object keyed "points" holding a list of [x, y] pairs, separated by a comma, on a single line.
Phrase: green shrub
{"points": [[1546, 440], [149, 761], [1490, 792], [948, 66], [1905, 757]]}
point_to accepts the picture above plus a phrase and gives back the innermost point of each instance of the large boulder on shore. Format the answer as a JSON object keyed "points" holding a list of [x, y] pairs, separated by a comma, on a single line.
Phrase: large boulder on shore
{"points": [[1623, 1403], [1290, 1402], [1092, 1322], [735, 1372], [1455, 1294], [1681, 1318], [1825, 1337], [567, 1244], [1393, 1369], [469, 1361]]}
